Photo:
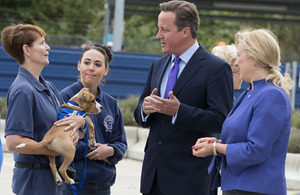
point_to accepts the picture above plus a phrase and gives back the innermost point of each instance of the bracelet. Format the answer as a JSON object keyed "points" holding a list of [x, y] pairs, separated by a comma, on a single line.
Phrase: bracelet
{"points": [[214, 149]]}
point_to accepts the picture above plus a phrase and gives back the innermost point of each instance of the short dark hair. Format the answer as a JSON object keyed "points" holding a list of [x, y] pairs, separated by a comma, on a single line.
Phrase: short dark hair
{"points": [[186, 15], [13, 38]]}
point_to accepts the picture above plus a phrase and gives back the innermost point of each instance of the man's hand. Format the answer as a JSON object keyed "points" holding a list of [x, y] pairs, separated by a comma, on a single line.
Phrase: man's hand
{"points": [[168, 106], [154, 103], [149, 104]]}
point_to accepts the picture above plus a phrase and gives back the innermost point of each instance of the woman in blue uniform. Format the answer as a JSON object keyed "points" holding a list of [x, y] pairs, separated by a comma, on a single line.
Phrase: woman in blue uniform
{"points": [[255, 134], [109, 127], [32, 107]]}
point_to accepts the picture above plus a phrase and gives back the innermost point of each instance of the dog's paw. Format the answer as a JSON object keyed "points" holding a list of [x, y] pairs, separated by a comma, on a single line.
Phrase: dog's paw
{"points": [[21, 145], [59, 183], [58, 179], [72, 181]]}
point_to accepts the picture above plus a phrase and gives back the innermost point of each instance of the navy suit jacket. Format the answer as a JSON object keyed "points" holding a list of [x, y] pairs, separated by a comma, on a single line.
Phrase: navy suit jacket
{"points": [[205, 91]]}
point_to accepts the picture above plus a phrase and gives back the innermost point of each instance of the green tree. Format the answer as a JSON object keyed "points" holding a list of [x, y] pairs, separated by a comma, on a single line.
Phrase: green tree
{"points": [[70, 22], [65, 17]]}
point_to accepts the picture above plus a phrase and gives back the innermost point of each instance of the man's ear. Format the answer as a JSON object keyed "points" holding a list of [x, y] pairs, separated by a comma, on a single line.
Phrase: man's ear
{"points": [[186, 32]]}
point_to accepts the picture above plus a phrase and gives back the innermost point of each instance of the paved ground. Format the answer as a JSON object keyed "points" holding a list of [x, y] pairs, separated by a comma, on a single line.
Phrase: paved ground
{"points": [[6, 174], [128, 170], [127, 183]]}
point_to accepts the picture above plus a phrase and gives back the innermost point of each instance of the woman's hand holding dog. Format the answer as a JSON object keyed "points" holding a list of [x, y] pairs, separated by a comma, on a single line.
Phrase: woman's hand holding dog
{"points": [[73, 122]]}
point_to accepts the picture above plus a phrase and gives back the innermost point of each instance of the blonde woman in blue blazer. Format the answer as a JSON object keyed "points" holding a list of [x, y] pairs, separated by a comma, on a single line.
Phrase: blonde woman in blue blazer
{"points": [[255, 134]]}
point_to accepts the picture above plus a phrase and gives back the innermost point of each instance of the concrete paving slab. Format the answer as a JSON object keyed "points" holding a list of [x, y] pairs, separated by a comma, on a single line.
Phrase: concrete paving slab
{"points": [[127, 182]]}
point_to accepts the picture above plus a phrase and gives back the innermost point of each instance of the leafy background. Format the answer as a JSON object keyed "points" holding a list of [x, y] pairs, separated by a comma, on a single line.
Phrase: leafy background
{"points": [[70, 22]]}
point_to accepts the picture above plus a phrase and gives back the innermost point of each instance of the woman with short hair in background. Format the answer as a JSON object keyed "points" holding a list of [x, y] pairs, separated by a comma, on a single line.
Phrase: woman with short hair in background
{"points": [[229, 54]]}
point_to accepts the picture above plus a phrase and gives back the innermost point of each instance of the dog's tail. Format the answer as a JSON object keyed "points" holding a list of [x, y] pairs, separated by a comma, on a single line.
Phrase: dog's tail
{"points": [[21, 145], [31, 145]]}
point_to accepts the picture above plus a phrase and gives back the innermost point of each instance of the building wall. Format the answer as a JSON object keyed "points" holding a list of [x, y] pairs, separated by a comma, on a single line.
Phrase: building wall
{"points": [[127, 75]]}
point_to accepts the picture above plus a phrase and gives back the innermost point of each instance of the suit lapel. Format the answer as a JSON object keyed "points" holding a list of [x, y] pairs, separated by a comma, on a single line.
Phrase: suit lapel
{"points": [[190, 69], [161, 72]]}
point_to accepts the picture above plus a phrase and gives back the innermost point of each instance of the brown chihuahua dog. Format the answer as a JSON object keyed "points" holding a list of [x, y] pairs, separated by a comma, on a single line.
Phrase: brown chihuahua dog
{"points": [[60, 141]]}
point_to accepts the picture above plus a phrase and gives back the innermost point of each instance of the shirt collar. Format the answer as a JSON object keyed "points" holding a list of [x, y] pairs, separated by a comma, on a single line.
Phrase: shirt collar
{"points": [[33, 81], [186, 56]]}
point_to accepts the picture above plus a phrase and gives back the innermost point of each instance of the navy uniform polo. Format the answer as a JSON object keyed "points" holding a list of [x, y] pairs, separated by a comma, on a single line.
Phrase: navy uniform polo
{"points": [[31, 111], [109, 129]]}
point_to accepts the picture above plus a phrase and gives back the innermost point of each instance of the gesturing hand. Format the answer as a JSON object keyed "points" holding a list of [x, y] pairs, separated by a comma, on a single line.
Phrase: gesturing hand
{"points": [[168, 106], [150, 103]]}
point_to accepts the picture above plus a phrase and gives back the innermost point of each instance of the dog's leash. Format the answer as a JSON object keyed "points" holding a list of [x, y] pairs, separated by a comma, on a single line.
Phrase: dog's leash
{"points": [[80, 184]]}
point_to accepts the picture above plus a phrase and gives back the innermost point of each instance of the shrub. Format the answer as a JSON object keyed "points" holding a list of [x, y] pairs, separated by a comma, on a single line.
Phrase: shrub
{"points": [[3, 108], [127, 107], [294, 143], [296, 119]]}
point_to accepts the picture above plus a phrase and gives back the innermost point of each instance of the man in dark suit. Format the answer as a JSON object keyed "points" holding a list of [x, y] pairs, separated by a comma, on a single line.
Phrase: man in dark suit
{"points": [[195, 107]]}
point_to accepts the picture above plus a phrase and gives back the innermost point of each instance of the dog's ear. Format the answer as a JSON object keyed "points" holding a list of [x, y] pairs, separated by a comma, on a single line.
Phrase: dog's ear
{"points": [[83, 97]]}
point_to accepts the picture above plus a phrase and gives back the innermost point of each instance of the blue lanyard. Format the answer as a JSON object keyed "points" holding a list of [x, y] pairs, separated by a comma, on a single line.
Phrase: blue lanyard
{"points": [[80, 184]]}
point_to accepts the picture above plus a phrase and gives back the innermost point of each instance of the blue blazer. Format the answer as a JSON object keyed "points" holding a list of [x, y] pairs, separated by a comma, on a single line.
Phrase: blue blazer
{"points": [[257, 133], [205, 92]]}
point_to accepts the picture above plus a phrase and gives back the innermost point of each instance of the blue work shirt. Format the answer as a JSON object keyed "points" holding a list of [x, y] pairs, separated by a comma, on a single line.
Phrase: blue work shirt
{"points": [[31, 111], [109, 129]]}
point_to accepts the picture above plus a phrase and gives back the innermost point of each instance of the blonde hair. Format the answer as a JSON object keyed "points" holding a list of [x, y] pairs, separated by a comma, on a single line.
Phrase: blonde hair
{"points": [[262, 46], [227, 53]]}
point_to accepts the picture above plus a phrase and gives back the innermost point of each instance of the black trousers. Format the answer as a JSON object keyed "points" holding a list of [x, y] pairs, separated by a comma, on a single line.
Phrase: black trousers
{"points": [[155, 188], [156, 191]]}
